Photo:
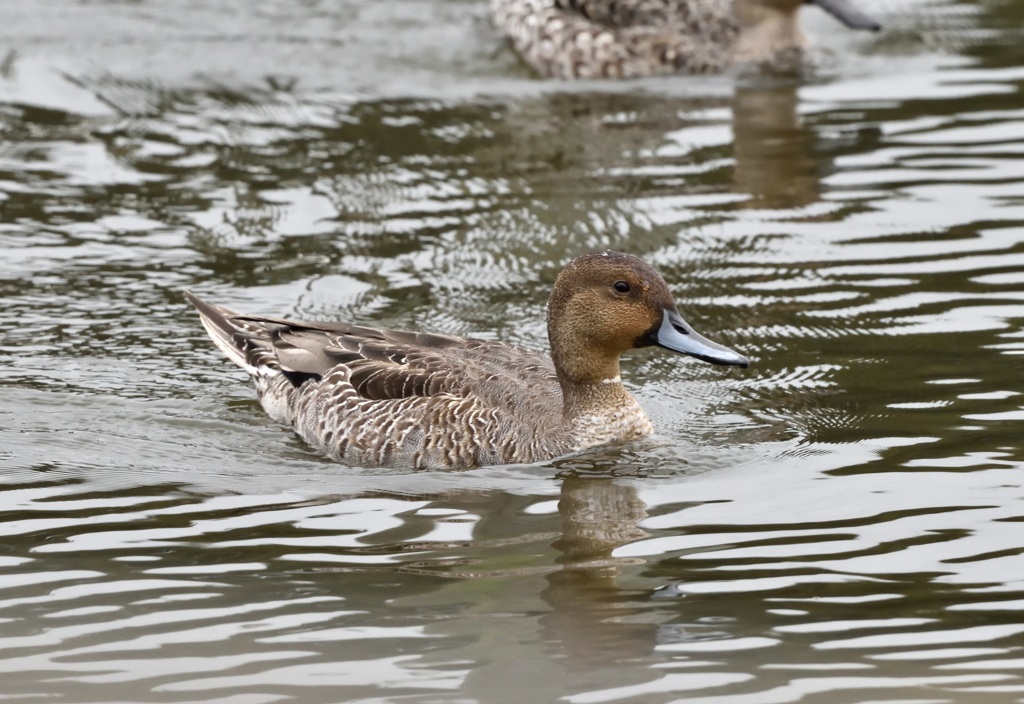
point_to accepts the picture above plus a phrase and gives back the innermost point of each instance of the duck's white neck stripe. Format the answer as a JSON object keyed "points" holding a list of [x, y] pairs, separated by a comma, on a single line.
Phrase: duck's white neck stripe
{"points": [[614, 380]]}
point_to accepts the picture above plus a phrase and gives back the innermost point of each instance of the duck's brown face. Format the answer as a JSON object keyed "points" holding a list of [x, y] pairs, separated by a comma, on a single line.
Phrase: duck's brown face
{"points": [[607, 303]]}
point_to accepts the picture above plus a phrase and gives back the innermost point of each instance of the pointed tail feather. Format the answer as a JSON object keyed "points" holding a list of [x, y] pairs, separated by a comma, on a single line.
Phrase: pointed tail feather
{"points": [[244, 341]]}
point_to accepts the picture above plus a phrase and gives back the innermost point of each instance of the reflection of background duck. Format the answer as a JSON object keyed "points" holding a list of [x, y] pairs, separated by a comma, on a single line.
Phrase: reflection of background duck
{"points": [[629, 38], [775, 158]]}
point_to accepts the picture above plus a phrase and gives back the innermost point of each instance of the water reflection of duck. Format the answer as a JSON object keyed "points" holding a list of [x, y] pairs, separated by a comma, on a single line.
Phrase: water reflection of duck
{"points": [[630, 38], [777, 160], [378, 397]]}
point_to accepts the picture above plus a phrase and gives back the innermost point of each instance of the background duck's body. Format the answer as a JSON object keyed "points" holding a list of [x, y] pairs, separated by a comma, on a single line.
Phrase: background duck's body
{"points": [[631, 38]]}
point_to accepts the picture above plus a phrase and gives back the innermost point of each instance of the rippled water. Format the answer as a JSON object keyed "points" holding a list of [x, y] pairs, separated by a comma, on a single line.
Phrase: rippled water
{"points": [[838, 523]]}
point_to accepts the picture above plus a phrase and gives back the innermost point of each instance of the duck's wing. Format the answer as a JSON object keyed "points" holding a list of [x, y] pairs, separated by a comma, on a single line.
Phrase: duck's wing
{"points": [[383, 363], [390, 364]]}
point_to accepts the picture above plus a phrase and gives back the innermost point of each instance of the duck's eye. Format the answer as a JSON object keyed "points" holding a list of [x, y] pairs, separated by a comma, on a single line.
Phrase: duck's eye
{"points": [[621, 286]]}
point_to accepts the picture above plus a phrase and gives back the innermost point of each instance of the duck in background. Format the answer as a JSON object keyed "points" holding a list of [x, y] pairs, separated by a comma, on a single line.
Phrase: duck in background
{"points": [[377, 397], [633, 38]]}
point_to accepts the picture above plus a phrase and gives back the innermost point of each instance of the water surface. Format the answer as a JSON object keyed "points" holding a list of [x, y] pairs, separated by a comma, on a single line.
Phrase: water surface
{"points": [[838, 523]]}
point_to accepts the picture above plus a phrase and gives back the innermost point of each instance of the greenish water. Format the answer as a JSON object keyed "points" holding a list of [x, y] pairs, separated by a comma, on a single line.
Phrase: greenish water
{"points": [[838, 523]]}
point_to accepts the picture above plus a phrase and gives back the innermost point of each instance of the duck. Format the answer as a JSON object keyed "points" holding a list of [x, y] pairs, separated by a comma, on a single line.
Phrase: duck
{"points": [[571, 39], [377, 397]]}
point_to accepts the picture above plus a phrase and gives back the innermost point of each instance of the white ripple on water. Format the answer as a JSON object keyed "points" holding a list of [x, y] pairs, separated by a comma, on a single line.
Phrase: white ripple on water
{"points": [[907, 688], [349, 520], [844, 626], [95, 588], [388, 673], [226, 622], [666, 684], [976, 634], [938, 654]]}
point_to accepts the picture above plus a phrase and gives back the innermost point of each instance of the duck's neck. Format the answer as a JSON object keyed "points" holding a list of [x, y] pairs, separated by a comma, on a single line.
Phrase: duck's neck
{"points": [[595, 405], [766, 33], [602, 411], [581, 397]]}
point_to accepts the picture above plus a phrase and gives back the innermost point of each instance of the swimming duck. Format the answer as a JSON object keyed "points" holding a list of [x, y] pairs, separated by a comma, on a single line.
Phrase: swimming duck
{"points": [[378, 397], [631, 38]]}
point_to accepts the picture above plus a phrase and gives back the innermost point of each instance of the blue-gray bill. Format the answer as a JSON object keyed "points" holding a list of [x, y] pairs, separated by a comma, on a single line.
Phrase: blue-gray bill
{"points": [[846, 13], [677, 335]]}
